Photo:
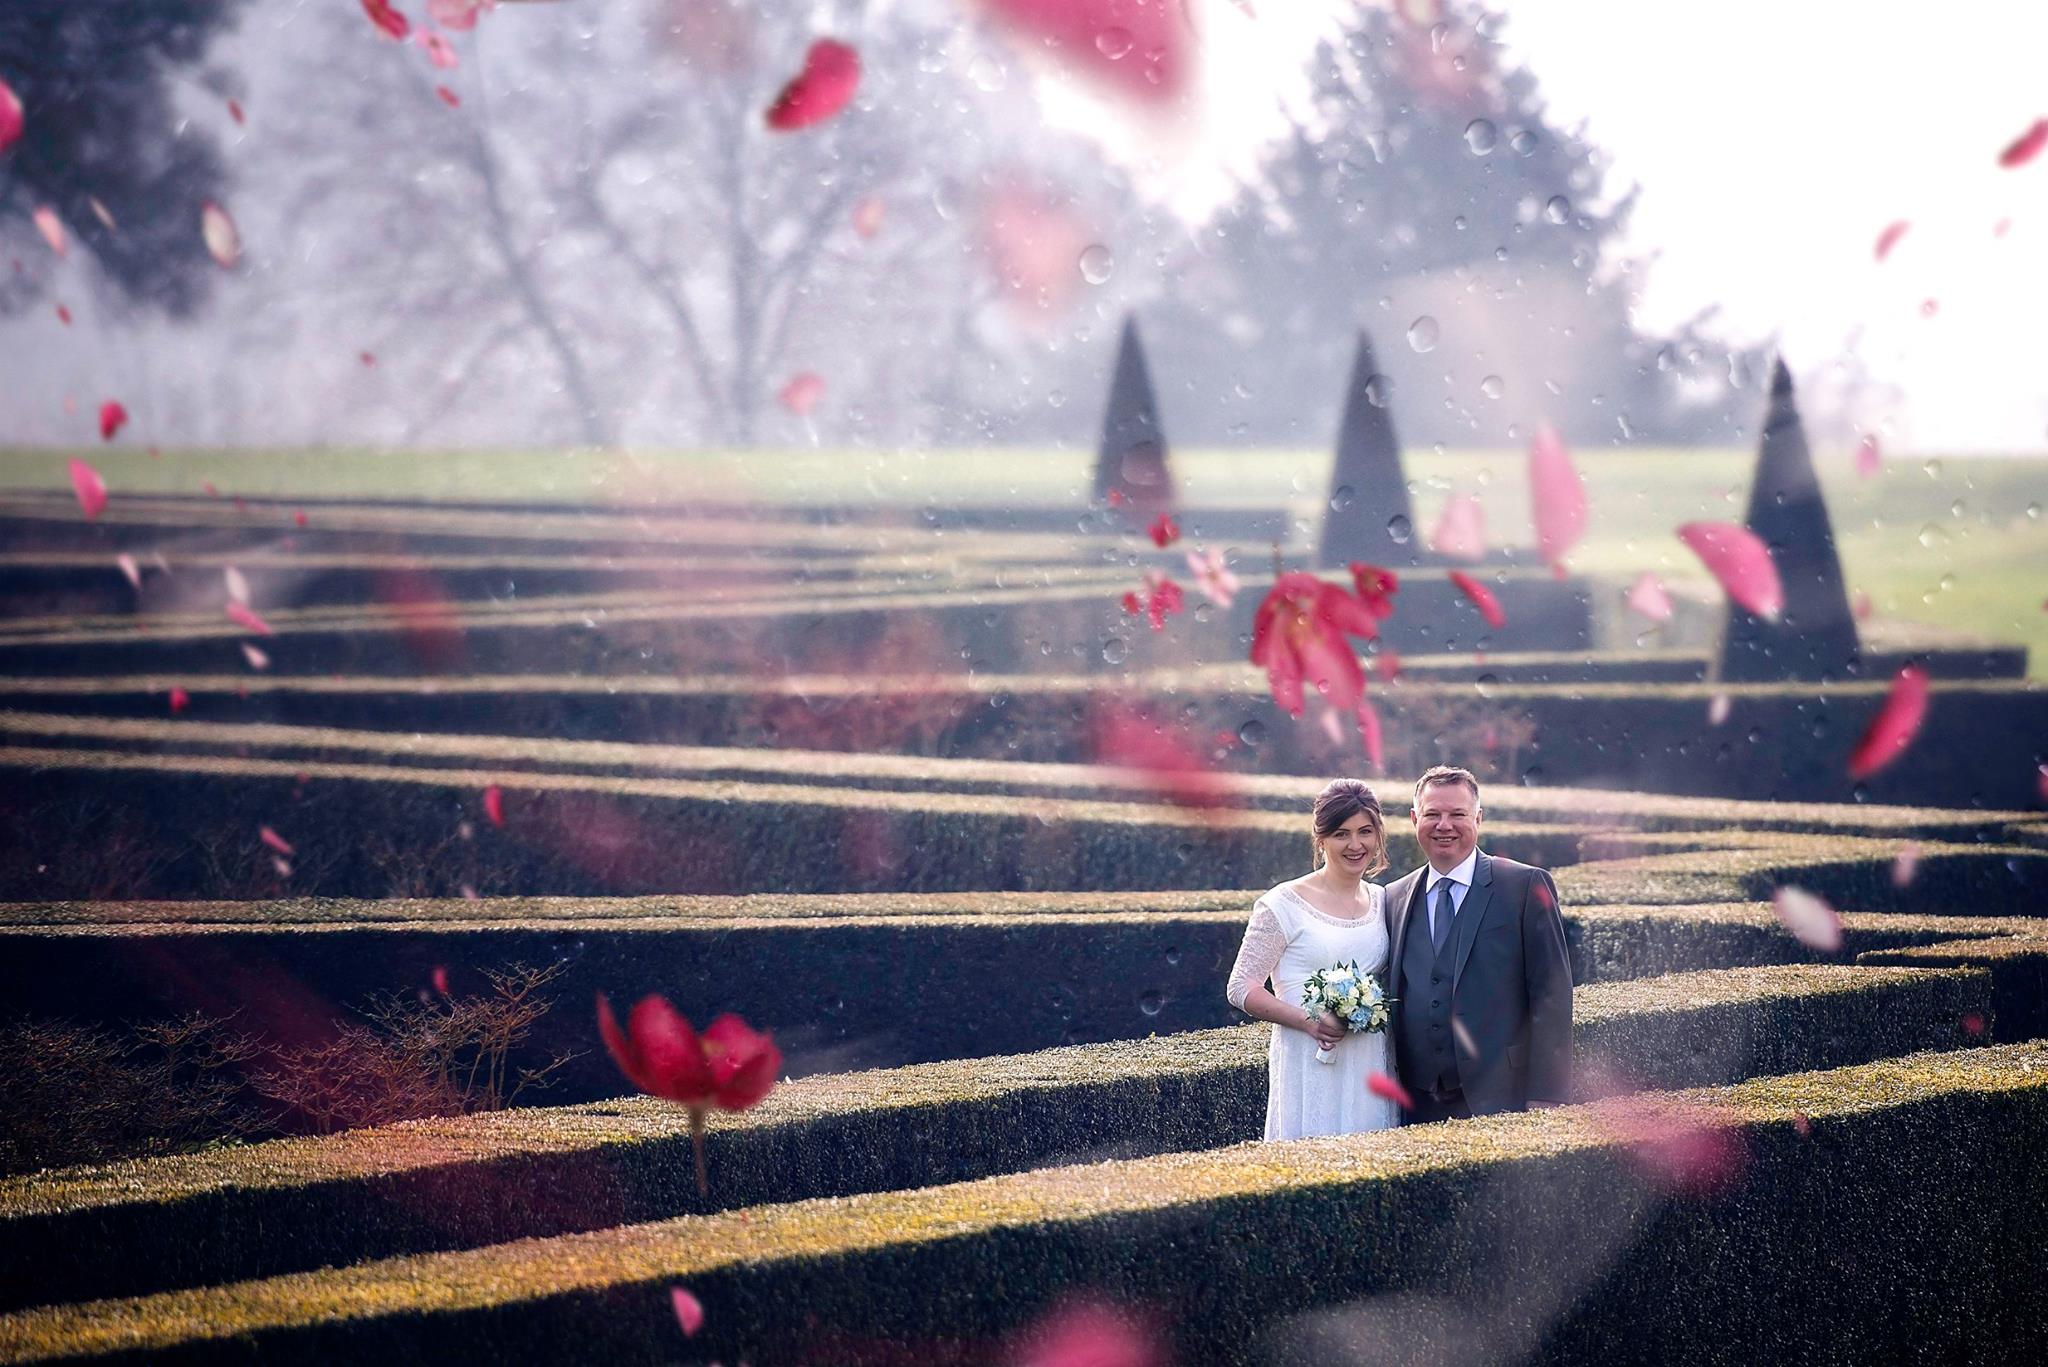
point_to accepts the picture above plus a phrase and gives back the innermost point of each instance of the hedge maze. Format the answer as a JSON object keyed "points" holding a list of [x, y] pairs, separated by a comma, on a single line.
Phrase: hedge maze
{"points": [[910, 789]]}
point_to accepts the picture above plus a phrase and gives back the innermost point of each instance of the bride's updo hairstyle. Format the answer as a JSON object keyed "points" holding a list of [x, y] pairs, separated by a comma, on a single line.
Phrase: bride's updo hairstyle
{"points": [[1340, 800]]}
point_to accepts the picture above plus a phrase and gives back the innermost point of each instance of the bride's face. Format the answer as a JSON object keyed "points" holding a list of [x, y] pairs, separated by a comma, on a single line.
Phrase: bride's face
{"points": [[1352, 846]]}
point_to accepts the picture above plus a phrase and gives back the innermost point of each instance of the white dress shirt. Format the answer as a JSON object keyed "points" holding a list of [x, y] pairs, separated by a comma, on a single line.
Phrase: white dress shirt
{"points": [[1461, 883]]}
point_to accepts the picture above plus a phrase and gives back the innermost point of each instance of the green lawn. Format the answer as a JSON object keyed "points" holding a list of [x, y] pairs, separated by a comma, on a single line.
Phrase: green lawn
{"points": [[1957, 542]]}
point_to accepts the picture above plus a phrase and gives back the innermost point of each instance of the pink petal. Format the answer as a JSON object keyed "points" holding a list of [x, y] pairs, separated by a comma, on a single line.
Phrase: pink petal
{"points": [[1143, 50], [619, 1047], [1889, 238], [2001, 228], [1647, 596], [223, 241], [457, 16], [1126, 739], [1869, 460], [867, 216], [298, 517], [1718, 708], [1929, 307], [802, 393], [1859, 606], [1389, 664], [824, 87], [257, 658], [1680, 1146], [12, 120], [670, 1051], [1461, 529], [235, 112], [1736, 557], [1034, 240], [238, 587], [1906, 864], [1380, 1085], [440, 51], [2041, 780], [689, 1313], [439, 978], [274, 840], [448, 97], [368, 358], [1973, 1023], [1557, 496], [89, 487], [1482, 598], [179, 699], [1812, 921], [1213, 577], [241, 615], [1085, 1333], [130, 571], [64, 315], [494, 805], [52, 228], [1895, 725], [1164, 531], [389, 21], [1370, 732], [1332, 724], [2026, 146], [113, 416]]}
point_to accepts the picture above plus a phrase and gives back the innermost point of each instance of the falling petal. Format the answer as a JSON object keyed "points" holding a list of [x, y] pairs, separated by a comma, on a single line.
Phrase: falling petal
{"points": [[2041, 780], [235, 112], [389, 21], [1388, 665], [298, 517], [1033, 239], [689, 1313], [1929, 307], [101, 212], [469, 894], [1869, 460], [238, 587], [867, 216], [52, 228], [1376, 588], [448, 97], [257, 658], [130, 571], [274, 840], [1812, 921], [368, 358], [1370, 732], [824, 87], [1213, 577], [282, 865], [12, 120], [1333, 725], [64, 315], [2001, 228], [1557, 497], [113, 416], [1973, 1024], [223, 241], [2026, 146], [440, 51], [802, 393], [1906, 864], [1087, 1333], [179, 699], [1143, 50], [1380, 1085], [494, 805], [1718, 708], [1802, 1125], [1889, 238], [1680, 1146], [1461, 529], [1895, 725], [89, 487], [1164, 531], [457, 16], [1859, 606], [1647, 596], [1125, 738], [1736, 557], [1482, 598], [243, 616], [439, 978]]}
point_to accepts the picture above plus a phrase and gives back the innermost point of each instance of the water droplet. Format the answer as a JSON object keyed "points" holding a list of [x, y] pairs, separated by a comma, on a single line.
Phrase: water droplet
{"points": [[1113, 43], [1097, 263], [1399, 528], [1252, 733], [2033, 512], [1932, 469], [1115, 650], [987, 74], [1484, 685], [1493, 386], [1933, 536], [1558, 209], [1480, 136], [1341, 500], [1150, 1003], [1523, 142], [1173, 954], [1378, 389], [1422, 333]]}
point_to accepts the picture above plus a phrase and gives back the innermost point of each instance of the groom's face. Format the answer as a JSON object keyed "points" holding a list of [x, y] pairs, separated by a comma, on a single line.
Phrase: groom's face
{"points": [[1447, 824]]}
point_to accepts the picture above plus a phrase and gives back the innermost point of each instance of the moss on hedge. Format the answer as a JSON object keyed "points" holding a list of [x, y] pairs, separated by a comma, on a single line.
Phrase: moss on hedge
{"points": [[852, 1261]]}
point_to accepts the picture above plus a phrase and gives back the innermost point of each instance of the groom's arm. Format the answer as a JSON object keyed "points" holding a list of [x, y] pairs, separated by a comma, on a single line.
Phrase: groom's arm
{"points": [[1547, 975]]}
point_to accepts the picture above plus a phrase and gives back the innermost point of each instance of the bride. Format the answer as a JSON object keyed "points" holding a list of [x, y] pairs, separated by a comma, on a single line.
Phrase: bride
{"points": [[1329, 916]]}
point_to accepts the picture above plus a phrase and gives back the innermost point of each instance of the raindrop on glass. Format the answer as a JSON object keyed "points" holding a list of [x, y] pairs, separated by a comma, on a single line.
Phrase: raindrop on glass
{"points": [[1399, 528], [1378, 389], [1113, 43], [1523, 142], [1097, 263], [1115, 650], [1481, 136], [1341, 499], [1484, 684], [1558, 210], [1150, 1003], [1493, 386], [1252, 733], [1422, 333]]}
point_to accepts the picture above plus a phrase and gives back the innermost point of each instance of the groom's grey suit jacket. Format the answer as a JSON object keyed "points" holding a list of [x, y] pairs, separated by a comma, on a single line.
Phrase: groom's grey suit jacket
{"points": [[1511, 983]]}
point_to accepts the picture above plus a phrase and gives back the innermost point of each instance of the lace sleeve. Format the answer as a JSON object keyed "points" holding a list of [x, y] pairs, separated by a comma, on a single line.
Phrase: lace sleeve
{"points": [[1258, 956]]}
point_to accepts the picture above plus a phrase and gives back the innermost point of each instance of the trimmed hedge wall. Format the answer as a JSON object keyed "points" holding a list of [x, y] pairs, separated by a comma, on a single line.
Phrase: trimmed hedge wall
{"points": [[1854, 875], [293, 1204], [2018, 968], [1544, 1230]]}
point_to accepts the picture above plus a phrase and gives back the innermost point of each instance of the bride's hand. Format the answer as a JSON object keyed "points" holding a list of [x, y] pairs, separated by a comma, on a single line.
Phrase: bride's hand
{"points": [[1328, 1030]]}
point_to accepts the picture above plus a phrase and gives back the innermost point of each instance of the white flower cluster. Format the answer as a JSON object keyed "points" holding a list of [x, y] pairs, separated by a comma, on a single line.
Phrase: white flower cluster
{"points": [[1353, 997]]}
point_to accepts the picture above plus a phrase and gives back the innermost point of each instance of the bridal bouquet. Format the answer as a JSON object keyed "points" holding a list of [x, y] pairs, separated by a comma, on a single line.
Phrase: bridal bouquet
{"points": [[1353, 997]]}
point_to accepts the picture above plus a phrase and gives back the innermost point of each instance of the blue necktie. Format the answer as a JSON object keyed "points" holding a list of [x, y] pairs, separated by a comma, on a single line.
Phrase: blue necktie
{"points": [[1440, 924]]}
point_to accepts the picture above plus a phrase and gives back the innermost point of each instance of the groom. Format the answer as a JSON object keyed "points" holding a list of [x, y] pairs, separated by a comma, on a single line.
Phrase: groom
{"points": [[1483, 986]]}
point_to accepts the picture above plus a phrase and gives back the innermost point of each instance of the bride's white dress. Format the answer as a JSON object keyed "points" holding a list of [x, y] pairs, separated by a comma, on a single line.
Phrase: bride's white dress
{"points": [[1287, 940]]}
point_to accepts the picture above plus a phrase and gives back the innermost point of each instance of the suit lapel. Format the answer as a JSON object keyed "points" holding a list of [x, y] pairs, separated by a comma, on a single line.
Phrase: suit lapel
{"points": [[1400, 906], [1465, 929]]}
